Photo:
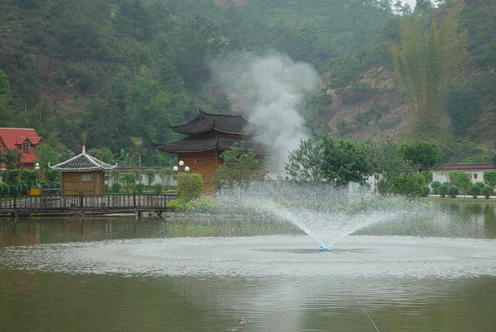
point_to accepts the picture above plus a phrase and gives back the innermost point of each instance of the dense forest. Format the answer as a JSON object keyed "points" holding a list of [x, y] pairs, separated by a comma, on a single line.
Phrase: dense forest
{"points": [[101, 72]]}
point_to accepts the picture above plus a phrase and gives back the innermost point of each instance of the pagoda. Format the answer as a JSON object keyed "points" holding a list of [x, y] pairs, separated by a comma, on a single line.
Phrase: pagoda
{"points": [[83, 174], [209, 135]]}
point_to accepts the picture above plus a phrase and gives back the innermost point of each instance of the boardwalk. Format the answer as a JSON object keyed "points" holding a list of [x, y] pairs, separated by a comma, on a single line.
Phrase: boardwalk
{"points": [[83, 204]]}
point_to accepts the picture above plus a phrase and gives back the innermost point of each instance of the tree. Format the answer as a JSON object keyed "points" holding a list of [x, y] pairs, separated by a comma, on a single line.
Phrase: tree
{"points": [[389, 163], [138, 145], [422, 155], [189, 186], [425, 63], [11, 158], [150, 175], [345, 161], [490, 177], [408, 184], [461, 180], [304, 164], [239, 166], [165, 175], [47, 156]]}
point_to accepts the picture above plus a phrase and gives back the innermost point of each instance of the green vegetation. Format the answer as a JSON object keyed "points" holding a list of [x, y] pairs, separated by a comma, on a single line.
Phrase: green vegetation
{"points": [[239, 167]]}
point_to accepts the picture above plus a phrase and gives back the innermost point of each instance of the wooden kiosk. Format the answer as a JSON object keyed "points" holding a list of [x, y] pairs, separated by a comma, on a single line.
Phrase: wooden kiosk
{"points": [[83, 174]]}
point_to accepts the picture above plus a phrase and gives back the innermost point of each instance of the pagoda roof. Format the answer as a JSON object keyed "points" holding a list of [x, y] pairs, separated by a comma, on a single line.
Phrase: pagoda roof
{"points": [[204, 122], [211, 142], [82, 163]]}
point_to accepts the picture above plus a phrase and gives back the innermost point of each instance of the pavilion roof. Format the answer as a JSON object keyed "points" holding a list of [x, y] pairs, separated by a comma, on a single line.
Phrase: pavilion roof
{"points": [[231, 124], [82, 163], [210, 142]]}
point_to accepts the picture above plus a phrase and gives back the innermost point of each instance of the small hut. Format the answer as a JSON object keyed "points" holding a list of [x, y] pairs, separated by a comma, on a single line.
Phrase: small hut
{"points": [[208, 136], [83, 174]]}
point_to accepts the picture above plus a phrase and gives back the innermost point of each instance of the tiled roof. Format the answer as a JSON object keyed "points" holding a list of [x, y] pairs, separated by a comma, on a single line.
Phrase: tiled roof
{"points": [[468, 167], [14, 137], [208, 142], [82, 162], [233, 124]]}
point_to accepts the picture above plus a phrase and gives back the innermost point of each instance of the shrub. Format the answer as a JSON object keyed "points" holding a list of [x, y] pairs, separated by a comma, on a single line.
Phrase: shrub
{"points": [[487, 191], [425, 191], [435, 186], [177, 205], [4, 189], [158, 187], [480, 185], [13, 190], [23, 188], [203, 204], [140, 187], [189, 186], [453, 191], [116, 187], [442, 190], [490, 177], [474, 191]]}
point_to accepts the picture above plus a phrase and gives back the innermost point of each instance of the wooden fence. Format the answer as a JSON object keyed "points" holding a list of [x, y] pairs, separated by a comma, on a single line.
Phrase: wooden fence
{"points": [[83, 203]]}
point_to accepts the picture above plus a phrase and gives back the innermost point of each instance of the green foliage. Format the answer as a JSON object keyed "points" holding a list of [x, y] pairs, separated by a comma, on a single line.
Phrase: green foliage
{"points": [[157, 188], [490, 177], [389, 163], [239, 166], [425, 191], [443, 190], [140, 188], [487, 191], [474, 191], [461, 180], [453, 191], [189, 186], [30, 177], [116, 187], [13, 189], [423, 155], [345, 161], [47, 155], [408, 184], [150, 175], [425, 62], [115, 175], [435, 187], [129, 179], [4, 189], [203, 204], [23, 188], [304, 163], [166, 175], [10, 176], [177, 205]]}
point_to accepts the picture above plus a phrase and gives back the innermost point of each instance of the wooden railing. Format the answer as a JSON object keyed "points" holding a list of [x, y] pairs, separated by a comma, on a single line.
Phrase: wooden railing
{"points": [[86, 202]]}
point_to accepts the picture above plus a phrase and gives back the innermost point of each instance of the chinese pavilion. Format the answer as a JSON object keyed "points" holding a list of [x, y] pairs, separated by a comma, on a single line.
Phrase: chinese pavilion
{"points": [[83, 174], [208, 136]]}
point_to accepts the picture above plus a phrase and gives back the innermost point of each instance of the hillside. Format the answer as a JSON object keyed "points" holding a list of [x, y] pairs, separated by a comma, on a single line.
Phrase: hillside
{"points": [[110, 70]]}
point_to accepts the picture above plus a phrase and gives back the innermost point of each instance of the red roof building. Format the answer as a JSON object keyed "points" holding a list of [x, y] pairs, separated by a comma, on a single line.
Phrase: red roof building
{"points": [[25, 140]]}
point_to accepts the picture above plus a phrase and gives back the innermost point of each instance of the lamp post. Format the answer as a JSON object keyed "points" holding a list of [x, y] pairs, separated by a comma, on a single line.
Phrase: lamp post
{"points": [[180, 168]]}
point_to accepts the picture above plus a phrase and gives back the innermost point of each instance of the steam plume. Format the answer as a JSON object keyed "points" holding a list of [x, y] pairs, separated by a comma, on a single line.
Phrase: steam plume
{"points": [[270, 89]]}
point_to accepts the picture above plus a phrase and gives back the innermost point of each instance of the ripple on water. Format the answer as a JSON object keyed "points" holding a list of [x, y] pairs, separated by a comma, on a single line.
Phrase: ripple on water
{"points": [[360, 256]]}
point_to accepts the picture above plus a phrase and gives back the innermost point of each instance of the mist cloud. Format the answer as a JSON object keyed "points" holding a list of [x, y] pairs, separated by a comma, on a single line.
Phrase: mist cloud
{"points": [[269, 89]]}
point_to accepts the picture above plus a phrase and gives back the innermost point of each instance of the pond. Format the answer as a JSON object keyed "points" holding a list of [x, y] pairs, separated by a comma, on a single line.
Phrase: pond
{"points": [[117, 274]]}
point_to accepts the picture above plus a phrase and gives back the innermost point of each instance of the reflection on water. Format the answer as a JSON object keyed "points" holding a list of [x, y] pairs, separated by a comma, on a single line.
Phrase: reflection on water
{"points": [[123, 275]]}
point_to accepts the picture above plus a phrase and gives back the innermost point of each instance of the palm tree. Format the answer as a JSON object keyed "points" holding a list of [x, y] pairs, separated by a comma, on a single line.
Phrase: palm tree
{"points": [[138, 145]]}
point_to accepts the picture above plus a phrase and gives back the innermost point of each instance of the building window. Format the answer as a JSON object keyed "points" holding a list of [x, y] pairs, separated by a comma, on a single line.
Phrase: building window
{"points": [[25, 146], [85, 177], [475, 176]]}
